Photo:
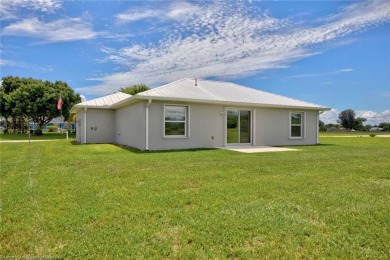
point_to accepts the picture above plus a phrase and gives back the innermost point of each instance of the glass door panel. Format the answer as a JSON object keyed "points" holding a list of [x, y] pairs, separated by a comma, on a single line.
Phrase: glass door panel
{"points": [[245, 126], [232, 126], [238, 126]]}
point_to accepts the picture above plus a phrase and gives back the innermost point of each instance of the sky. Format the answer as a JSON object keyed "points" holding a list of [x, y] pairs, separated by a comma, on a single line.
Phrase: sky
{"points": [[332, 53]]}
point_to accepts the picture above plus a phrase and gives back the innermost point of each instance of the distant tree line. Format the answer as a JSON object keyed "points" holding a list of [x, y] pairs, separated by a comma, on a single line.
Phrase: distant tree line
{"points": [[22, 99], [348, 121]]}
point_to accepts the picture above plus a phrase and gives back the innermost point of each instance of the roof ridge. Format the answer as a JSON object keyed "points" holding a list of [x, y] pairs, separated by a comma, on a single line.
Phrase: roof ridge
{"points": [[205, 90], [162, 86], [109, 97]]}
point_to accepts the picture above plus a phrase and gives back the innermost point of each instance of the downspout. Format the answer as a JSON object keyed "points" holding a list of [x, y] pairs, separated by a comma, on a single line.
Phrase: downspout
{"points": [[147, 125], [85, 125]]}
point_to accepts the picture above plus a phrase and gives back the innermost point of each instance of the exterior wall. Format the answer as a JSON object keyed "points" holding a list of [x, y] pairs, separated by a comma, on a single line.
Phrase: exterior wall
{"points": [[206, 127], [80, 126], [272, 127], [130, 126], [100, 126]]}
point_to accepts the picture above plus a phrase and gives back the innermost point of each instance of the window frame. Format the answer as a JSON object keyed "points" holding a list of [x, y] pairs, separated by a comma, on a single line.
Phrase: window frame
{"points": [[186, 121], [301, 125]]}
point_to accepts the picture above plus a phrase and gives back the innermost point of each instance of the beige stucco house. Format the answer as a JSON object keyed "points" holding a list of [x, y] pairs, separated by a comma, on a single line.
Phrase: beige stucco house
{"points": [[192, 113]]}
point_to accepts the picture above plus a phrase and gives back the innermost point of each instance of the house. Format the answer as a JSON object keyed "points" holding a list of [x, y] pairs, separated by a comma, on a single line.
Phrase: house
{"points": [[58, 122], [375, 129], [192, 113]]}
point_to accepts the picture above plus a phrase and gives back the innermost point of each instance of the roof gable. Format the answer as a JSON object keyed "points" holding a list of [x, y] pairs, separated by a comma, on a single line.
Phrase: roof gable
{"points": [[105, 102]]}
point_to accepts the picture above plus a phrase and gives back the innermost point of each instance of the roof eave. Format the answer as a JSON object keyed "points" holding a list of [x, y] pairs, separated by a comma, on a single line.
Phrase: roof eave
{"points": [[125, 102], [79, 107], [230, 103]]}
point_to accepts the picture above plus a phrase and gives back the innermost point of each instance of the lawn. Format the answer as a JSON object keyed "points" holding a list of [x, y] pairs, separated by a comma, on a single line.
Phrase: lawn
{"points": [[60, 199], [45, 136]]}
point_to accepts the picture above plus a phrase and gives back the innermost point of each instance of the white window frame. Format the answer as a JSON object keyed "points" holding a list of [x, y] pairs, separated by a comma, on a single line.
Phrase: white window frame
{"points": [[186, 122], [302, 124], [252, 126]]}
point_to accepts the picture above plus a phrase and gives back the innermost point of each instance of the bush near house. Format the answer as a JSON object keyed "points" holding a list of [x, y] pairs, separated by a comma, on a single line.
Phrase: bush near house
{"points": [[52, 128]]}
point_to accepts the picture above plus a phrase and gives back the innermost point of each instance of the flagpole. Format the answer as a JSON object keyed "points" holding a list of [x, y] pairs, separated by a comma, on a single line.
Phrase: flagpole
{"points": [[59, 107], [61, 113]]}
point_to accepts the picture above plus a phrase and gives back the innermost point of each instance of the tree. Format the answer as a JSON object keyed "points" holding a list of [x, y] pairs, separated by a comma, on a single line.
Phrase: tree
{"points": [[14, 120], [385, 126], [134, 89], [347, 120], [36, 99], [358, 125], [321, 125], [367, 128]]}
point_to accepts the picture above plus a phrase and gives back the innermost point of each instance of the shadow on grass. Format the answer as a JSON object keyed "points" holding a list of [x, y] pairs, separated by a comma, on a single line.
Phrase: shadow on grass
{"points": [[135, 150]]}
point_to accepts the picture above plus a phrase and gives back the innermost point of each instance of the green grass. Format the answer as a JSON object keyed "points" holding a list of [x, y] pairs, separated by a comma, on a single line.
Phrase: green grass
{"points": [[45, 136], [64, 200], [358, 134]]}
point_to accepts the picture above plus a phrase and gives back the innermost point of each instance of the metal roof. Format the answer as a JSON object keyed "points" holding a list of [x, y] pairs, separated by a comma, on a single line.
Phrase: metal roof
{"points": [[222, 92], [202, 91], [103, 102]]}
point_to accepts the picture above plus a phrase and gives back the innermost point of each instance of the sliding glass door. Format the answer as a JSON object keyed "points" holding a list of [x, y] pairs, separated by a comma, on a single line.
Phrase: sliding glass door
{"points": [[238, 126]]}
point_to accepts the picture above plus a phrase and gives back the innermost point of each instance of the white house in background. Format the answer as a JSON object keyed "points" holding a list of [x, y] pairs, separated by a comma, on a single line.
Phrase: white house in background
{"points": [[192, 113]]}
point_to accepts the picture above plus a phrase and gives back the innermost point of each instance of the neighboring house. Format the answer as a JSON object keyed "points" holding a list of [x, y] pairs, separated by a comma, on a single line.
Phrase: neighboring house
{"points": [[58, 121], [375, 129], [197, 114]]}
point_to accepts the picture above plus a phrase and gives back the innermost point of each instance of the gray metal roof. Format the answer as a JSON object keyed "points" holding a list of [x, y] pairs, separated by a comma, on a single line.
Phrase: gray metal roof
{"points": [[103, 102], [222, 92], [202, 91]]}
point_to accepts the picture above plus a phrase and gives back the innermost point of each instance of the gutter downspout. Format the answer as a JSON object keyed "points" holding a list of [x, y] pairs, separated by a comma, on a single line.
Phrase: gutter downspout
{"points": [[147, 125], [85, 125]]}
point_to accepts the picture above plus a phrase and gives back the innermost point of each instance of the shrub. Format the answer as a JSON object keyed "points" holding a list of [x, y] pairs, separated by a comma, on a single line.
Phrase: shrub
{"points": [[38, 132], [52, 128], [372, 135]]}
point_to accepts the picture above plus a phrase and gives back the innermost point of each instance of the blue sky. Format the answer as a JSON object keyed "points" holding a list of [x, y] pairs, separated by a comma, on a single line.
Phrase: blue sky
{"points": [[332, 53]]}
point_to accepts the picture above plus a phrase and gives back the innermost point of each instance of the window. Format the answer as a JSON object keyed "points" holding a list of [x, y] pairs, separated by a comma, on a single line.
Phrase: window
{"points": [[175, 121], [296, 122]]}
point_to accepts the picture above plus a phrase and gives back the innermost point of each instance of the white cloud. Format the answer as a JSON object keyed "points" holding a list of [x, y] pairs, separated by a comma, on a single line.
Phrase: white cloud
{"points": [[34, 67], [178, 10], [61, 30], [321, 74], [373, 118], [330, 117], [10, 8], [231, 40], [136, 15], [182, 10]]}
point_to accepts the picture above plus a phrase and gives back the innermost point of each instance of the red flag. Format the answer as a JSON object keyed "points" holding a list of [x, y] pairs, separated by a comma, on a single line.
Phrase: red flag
{"points": [[59, 103]]}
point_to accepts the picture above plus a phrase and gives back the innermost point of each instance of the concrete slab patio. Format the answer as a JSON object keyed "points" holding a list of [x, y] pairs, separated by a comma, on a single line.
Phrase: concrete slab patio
{"points": [[258, 149]]}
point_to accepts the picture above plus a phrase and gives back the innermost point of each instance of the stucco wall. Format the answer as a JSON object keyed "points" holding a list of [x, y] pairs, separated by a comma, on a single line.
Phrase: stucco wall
{"points": [[273, 125], [80, 126], [206, 127], [130, 125], [100, 126]]}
